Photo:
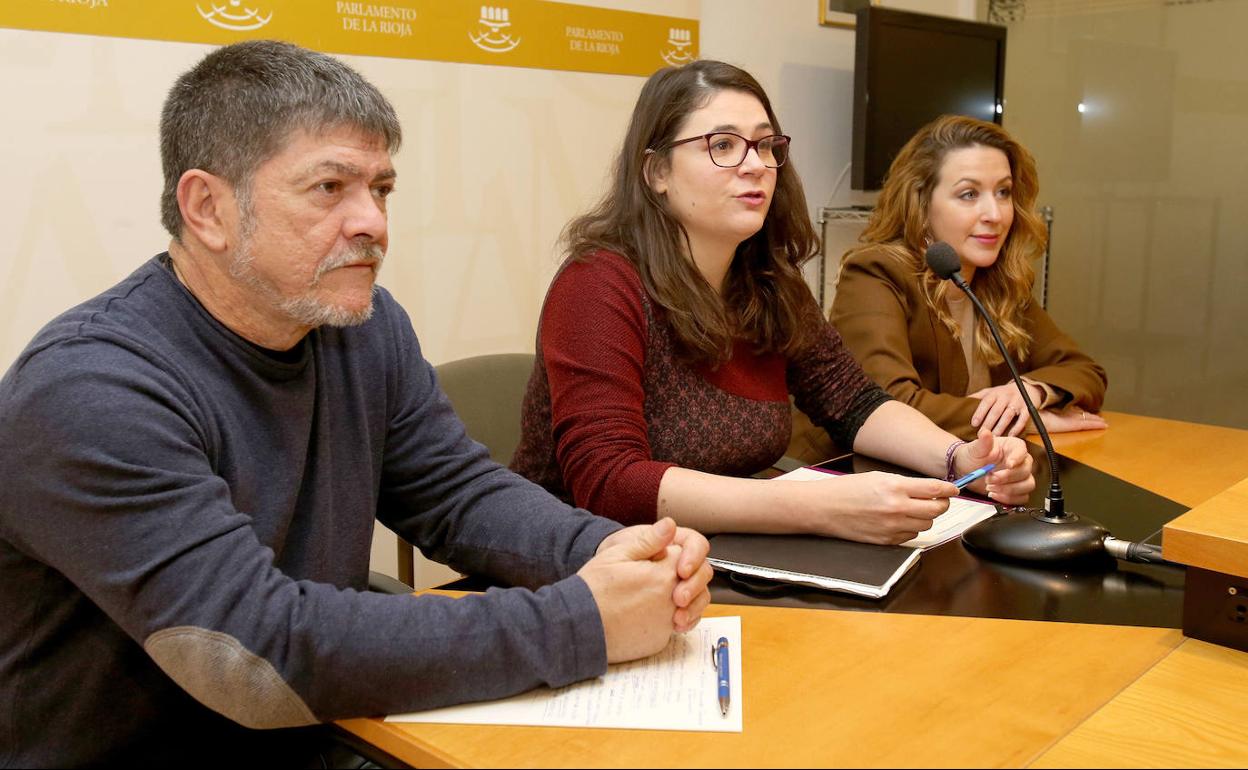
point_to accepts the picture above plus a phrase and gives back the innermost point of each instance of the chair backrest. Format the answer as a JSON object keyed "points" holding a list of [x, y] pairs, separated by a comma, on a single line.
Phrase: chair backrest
{"points": [[487, 392]]}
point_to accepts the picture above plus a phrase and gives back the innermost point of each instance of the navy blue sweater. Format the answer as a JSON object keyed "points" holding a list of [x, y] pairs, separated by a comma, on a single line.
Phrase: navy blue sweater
{"points": [[185, 524]]}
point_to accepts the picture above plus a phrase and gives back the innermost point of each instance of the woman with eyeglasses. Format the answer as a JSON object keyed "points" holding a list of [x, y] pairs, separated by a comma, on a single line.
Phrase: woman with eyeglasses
{"points": [[970, 184], [675, 332]]}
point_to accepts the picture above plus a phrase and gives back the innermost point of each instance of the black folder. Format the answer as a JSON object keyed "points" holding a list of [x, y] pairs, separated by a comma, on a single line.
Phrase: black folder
{"points": [[823, 562]]}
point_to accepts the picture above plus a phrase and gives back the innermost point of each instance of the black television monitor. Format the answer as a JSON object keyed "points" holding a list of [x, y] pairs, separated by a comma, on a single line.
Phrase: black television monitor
{"points": [[909, 69]]}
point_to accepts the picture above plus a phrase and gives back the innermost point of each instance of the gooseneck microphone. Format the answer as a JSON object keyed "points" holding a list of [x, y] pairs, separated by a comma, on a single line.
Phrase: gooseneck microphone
{"points": [[1030, 534]]}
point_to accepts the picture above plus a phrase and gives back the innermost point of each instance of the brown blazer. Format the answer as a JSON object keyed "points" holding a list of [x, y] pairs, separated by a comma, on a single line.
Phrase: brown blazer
{"points": [[887, 325]]}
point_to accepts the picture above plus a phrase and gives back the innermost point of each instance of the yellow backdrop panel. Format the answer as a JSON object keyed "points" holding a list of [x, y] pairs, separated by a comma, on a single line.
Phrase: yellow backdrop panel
{"points": [[517, 33]]}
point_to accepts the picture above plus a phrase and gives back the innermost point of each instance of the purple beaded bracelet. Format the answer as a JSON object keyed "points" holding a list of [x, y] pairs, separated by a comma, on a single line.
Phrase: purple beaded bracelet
{"points": [[950, 473]]}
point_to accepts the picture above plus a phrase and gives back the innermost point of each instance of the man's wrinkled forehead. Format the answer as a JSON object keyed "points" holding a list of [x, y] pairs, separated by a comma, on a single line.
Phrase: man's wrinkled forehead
{"points": [[328, 166], [339, 150]]}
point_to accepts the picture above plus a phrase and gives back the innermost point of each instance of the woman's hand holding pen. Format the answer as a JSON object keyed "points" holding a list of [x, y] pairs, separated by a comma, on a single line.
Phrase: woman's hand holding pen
{"points": [[1010, 482], [888, 509], [874, 507]]}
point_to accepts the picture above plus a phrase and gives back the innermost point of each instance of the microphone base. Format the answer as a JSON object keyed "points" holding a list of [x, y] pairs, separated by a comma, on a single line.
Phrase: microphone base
{"points": [[1030, 534]]}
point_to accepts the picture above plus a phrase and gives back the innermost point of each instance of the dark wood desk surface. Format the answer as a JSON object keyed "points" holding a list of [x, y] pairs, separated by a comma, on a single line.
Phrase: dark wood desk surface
{"points": [[952, 580]]}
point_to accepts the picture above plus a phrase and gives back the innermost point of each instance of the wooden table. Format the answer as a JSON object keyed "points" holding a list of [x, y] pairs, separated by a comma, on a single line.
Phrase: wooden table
{"points": [[839, 688], [826, 687], [1191, 709]]}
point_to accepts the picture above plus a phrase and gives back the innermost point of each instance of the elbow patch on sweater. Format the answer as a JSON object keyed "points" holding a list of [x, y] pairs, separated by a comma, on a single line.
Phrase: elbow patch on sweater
{"points": [[219, 672]]}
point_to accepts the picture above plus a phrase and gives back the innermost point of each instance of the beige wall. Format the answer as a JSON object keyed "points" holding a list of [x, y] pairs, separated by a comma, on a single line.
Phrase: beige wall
{"points": [[1150, 254]]}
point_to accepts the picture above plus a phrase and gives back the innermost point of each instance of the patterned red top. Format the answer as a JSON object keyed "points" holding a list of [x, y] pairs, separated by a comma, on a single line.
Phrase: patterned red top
{"points": [[610, 406]]}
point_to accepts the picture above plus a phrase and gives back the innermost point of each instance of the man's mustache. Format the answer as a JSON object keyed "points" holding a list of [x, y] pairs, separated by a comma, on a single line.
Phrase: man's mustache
{"points": [[354, 254]]}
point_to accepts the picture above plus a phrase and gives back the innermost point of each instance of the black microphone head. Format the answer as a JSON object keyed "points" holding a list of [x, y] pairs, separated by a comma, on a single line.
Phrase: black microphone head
{"points": [[943, 260]]}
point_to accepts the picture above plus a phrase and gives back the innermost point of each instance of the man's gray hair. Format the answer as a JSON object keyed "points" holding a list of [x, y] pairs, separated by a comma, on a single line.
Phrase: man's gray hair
{"points": [[234, 110]]}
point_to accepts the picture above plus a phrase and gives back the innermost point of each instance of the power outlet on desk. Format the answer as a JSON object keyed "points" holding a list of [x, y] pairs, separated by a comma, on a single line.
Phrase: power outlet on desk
{"points": [[1215, 608]]}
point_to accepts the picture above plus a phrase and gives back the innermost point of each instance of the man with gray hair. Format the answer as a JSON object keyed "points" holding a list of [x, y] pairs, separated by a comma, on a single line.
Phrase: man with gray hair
{"points": [[191, 463]]}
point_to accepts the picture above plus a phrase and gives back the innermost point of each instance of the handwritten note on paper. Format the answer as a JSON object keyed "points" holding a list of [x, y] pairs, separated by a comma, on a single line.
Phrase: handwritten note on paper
{"points": [[962, 514], [672, 690]]}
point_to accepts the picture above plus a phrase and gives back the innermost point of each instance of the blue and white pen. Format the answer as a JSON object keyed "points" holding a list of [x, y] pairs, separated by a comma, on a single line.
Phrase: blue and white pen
{"points": [[719, 655], [970, 478]]}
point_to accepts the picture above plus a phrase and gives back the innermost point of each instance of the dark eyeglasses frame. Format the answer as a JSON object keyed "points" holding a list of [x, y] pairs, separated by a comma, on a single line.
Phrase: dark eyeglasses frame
{"points": [[750, 144]]}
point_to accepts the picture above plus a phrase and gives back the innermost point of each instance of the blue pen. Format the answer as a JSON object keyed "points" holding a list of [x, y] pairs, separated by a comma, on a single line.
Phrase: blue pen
{"points": [[978, 473], [719, 656]]}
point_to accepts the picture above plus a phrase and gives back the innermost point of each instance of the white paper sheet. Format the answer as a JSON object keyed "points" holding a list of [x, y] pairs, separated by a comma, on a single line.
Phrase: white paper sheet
{"points": [[675, 689], [963, 513]]}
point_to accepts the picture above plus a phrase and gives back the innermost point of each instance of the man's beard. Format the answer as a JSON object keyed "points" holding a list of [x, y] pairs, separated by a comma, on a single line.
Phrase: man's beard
{"points": [[306, 309]]}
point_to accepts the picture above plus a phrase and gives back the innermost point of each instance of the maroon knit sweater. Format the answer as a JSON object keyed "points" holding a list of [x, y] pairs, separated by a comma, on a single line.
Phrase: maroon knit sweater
{"points": [[610, 406]]}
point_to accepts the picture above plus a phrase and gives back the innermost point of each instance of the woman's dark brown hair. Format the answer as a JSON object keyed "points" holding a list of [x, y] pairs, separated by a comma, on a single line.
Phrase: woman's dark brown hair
{"points": [[764, 292], [900, 224]]}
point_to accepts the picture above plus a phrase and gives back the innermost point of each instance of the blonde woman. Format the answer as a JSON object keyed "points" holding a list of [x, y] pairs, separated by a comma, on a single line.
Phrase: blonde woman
{"points": [[970, 184]]}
